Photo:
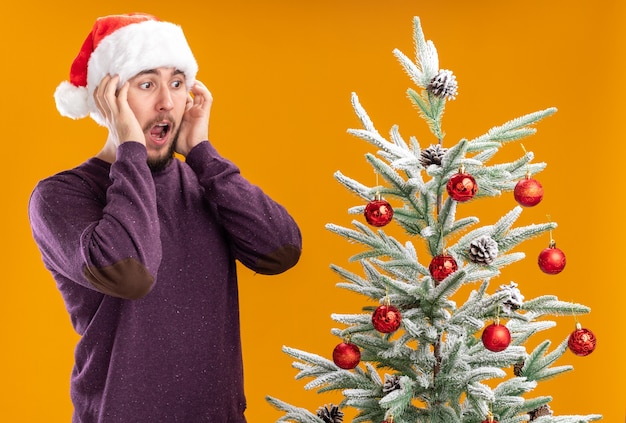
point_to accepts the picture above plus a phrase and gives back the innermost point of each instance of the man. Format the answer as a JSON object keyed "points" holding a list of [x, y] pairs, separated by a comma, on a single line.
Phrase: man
{"points": [[143, 245]]}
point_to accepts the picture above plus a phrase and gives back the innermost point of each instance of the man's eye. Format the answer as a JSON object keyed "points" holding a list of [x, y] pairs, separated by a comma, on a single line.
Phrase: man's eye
{"points": [[177, 84], [145, 85]]}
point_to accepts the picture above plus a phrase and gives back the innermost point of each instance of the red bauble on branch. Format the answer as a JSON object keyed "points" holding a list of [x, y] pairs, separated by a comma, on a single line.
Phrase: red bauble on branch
{"points": [[528, 192], [551, 260], [442, 266], [346, 355], [496, 337], [378, 212], [462, 186], [386, 318], [582, 341]]}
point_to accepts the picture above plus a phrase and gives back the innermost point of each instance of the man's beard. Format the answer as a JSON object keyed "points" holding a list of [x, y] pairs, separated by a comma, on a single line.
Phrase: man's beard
{"points": [[158, 164]]}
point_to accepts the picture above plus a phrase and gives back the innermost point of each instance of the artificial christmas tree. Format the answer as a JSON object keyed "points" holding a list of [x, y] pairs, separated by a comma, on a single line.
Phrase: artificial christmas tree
{"points": [[423, 358]]}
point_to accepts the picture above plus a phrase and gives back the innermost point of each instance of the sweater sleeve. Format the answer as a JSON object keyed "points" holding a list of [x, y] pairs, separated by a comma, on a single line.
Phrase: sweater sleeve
{"points": [[263, 236], [104, 240]]}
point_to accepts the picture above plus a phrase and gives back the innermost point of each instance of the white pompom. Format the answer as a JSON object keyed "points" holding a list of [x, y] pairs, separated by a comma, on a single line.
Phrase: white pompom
{"points": [[71, 100]]}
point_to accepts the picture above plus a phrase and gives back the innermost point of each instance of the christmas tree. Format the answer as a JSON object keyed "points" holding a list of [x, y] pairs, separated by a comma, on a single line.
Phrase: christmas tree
{"points": [[416, 355]]}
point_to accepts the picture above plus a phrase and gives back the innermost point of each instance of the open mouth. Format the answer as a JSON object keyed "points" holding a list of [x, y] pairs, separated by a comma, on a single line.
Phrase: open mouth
{"points": [[159, 131]]}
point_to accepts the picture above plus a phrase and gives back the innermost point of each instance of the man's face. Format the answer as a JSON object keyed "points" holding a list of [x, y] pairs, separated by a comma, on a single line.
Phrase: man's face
{"points": [[158, 99]]}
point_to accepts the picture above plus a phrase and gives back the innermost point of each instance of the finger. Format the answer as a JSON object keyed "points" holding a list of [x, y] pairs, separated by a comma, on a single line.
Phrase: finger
{"points": [[201, 95], [99, 97], [110, 93], [199, 87], [97, 92], [122, 95], [189, 102]]}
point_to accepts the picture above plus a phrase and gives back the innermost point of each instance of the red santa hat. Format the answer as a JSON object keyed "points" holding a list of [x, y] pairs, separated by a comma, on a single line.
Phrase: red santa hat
{"points": [[123, 45]]}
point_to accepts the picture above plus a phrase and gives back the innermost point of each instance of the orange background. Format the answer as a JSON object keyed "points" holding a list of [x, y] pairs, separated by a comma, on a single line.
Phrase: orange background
{"points": [[281, 73]]}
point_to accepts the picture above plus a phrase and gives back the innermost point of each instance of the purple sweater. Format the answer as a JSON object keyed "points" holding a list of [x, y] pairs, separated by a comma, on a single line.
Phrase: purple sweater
{"points": [[146, 266]]}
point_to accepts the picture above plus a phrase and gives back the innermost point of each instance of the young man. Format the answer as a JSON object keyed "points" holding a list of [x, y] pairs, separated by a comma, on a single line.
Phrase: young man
{"points": [[142, 245]]}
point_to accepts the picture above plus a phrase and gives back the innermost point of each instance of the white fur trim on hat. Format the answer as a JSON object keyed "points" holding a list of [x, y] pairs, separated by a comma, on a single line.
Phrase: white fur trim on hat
{"points": [[71, 100]]}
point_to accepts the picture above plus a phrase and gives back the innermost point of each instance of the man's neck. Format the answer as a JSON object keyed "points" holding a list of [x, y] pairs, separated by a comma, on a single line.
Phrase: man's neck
{"points": [[108, 152]]}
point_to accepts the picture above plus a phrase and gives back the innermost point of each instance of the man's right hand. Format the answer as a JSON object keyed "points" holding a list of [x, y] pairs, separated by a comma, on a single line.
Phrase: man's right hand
{"points": [[120, 119]]}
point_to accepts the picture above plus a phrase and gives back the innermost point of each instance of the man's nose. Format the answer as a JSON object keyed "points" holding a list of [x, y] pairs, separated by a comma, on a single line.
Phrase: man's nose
{"points": [[164, 99]]}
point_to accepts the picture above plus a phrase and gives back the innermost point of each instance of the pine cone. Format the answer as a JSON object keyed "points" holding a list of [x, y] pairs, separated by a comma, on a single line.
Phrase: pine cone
{"points": [[515, 300], [443, 85], [392, 382], [517, 368], [432, 155], [544, 410], [330, 414], [483, 250]]}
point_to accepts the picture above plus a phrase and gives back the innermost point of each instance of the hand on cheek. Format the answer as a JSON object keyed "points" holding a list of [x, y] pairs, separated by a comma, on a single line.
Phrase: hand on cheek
{"points": [[195, 124], [119, 117]]}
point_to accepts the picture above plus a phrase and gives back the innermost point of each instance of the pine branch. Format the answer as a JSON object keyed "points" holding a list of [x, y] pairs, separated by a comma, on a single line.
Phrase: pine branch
{"points": [[398, 188], [294, 414], [515, 386], [471, 314], [522, 331], [362, 114], [568, 419], [424, 334], [460, 225], [479, 355], [479, 396], [537, 365], [515, 129], [351, 277], [379, 141], [450, 164], [379, 245], [398, 401], [409, 162], [408, 269], [326, 375], [430, 110], [445, 289], [427, 62], [310, 358], [505, 237], [364, 236], [411, 220], [425, 52], [551, 305], [519, 235], [354, 186], [443, 413]]}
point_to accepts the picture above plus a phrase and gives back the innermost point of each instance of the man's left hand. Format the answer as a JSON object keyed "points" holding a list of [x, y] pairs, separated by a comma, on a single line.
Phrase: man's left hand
{"points": [[194, 127]]}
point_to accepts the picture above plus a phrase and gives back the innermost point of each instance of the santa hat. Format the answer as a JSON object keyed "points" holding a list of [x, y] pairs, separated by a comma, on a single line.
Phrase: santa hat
{"points": [[123, 45]]}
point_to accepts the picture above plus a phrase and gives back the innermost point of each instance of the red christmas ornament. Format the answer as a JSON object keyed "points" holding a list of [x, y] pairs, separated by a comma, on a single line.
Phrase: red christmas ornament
{"points": [[462, 186], [528, 192], [496, 337], [346, 355], [386, 319], [582, 341], [551, 260], [442, 266], [378, 212]]}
